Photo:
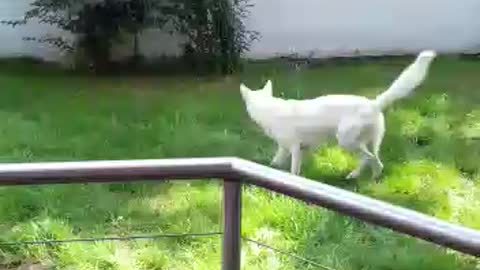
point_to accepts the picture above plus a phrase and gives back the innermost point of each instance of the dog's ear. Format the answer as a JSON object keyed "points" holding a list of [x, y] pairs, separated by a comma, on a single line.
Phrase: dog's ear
{"points": [[244, 90], [268, 88]]}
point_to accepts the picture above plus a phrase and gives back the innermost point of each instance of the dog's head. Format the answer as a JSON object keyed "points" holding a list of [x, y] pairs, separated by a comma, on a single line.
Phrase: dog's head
{"points": [[249, 94]]}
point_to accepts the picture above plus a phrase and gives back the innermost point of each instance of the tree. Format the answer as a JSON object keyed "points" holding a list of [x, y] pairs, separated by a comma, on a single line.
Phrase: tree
{"points": [[216, 34], [97, 24], [215, 31]]}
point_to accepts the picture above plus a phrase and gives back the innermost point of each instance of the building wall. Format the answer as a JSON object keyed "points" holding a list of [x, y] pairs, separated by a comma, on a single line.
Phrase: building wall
{"points": [[324, 27], [370, 26], [11, 43], [153, 42]]}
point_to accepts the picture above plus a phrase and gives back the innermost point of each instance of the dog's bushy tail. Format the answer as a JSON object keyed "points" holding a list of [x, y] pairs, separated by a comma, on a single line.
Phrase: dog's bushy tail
{"points": [[408, 80]]}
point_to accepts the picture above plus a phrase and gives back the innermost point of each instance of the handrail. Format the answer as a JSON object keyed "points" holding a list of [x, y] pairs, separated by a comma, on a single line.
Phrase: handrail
{"points": [[113, 171], [234, 171]]}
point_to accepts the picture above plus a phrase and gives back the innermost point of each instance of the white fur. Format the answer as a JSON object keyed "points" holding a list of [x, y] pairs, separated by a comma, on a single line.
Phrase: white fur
{"points": [[355, 121]]}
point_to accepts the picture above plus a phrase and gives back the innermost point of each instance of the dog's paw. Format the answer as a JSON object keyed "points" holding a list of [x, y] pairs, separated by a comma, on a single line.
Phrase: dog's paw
{"points": [[274, 164], [377, 176], [353, 175]]}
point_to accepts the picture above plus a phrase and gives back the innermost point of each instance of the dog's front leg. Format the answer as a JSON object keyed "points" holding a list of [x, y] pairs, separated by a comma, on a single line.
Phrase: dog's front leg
{"points": [[296, 165]]}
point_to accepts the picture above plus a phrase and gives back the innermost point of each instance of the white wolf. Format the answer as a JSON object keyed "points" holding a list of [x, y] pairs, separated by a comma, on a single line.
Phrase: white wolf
{"points": [[357, 122]]}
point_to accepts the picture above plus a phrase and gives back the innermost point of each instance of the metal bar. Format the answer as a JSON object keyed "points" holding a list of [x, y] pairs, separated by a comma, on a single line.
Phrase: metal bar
{"points": [[113, 171], [232, 223], [354, 205], [370, 210]]}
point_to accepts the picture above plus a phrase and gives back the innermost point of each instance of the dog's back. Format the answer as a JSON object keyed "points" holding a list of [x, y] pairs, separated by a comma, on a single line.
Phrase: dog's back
{"points": [[308, 121]]}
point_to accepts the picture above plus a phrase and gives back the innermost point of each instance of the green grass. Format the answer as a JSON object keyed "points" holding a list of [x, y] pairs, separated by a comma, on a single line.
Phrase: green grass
{"points": [[431, 153]]}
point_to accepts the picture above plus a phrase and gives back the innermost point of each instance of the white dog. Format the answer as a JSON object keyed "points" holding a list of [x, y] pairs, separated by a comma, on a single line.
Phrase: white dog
{"points": [[357, 122]]}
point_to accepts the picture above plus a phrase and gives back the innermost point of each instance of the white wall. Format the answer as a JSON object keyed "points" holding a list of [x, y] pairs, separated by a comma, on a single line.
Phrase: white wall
{"points": [[342, 26], [11, 43], [327, 27], [153, 43]]}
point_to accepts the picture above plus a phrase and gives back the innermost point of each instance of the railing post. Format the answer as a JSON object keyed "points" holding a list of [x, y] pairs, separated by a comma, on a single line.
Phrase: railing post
{"points": [[232, 208]]}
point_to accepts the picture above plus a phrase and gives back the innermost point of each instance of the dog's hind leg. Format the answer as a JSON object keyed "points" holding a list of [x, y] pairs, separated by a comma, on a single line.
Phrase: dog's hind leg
{"points": [[296, 164], [366, 158], [377, 138], [351, 135], [280, 157]]}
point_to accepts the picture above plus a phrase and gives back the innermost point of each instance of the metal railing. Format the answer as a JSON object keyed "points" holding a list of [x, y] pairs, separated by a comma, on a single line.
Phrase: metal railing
{"points": [[236, 171]]}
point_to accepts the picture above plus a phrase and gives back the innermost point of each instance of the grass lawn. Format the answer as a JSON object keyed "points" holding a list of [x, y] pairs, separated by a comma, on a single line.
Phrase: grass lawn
{"points": [[431, 155]]}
